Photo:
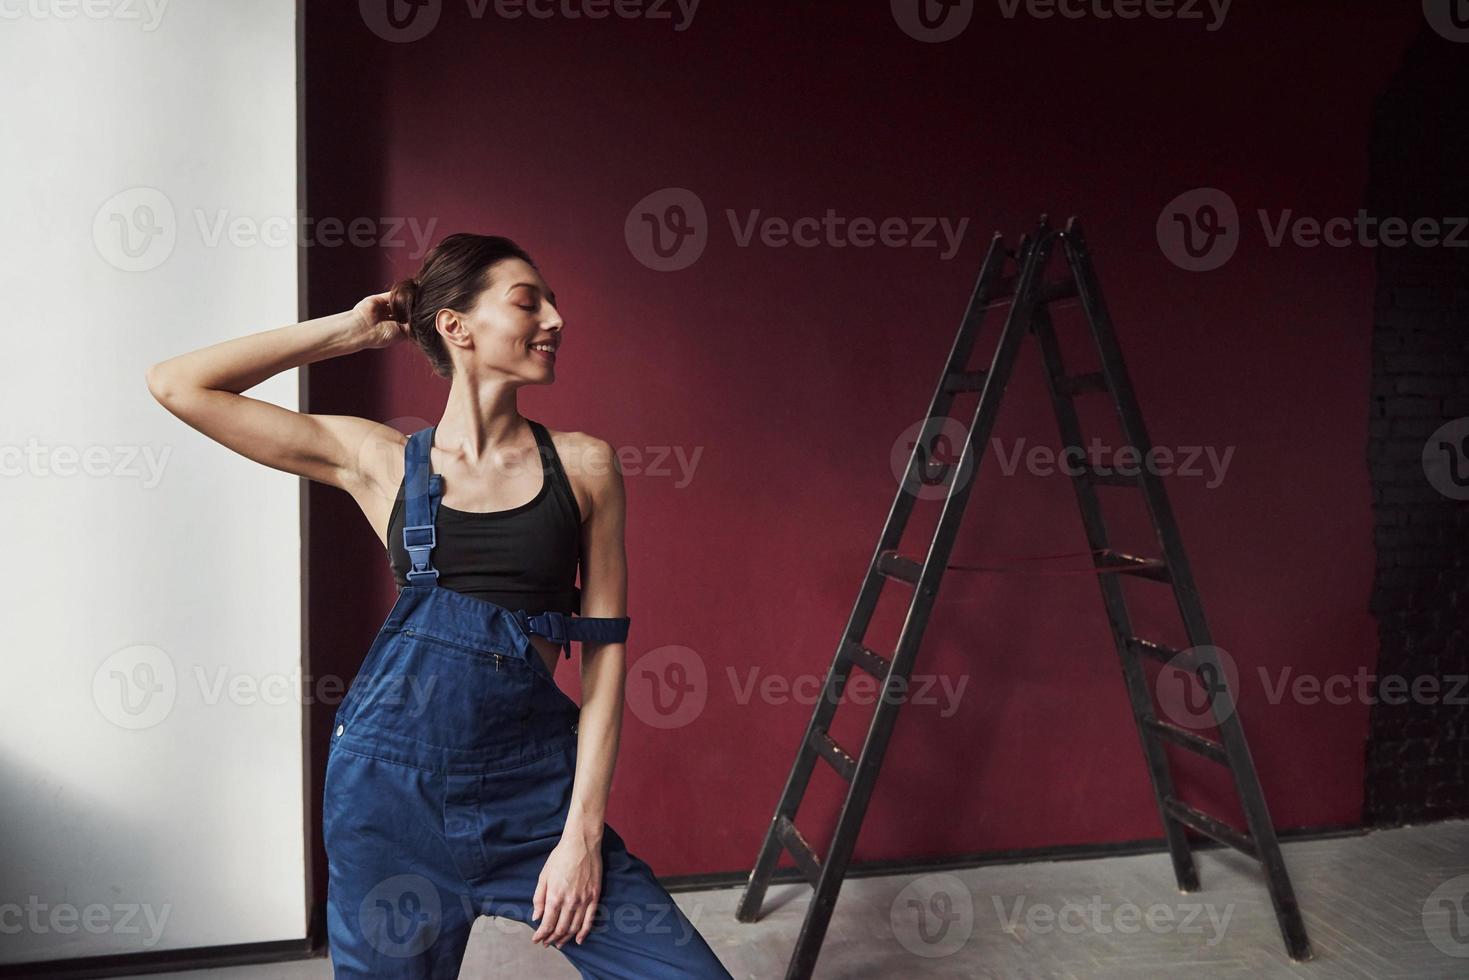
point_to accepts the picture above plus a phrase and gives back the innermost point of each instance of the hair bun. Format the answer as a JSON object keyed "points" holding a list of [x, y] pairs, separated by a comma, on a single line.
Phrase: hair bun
{"points": [[403, 298]]}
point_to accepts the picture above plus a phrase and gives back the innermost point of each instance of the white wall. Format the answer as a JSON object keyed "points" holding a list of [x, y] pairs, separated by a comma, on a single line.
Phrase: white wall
{"points": [[140, 806]]}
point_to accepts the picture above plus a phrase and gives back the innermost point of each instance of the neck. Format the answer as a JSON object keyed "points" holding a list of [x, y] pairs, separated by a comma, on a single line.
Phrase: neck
{"points": [[480, 417]]}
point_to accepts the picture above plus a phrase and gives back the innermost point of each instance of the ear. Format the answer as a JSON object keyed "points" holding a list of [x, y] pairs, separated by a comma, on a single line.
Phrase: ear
{"points": [[453, 329]]}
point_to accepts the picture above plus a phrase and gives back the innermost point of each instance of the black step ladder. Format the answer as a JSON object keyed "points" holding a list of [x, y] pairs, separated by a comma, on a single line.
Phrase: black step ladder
{"points": [[1028, 295]]}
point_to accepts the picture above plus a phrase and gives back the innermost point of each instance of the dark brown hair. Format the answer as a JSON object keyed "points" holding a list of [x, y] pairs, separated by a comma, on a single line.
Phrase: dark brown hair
{"points": [[452, 276]]}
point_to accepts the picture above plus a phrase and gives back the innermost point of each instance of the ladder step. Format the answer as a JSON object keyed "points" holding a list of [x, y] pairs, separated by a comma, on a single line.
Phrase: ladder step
{"points": [[1049, 292], [1208, 826], [894, 565], [793, 842], [840, 759], [874, 663], [1206, 747], [1149, 568], [1081, 384], [1159, 652], [1059, 289], [1112, 479], [957, 382]]}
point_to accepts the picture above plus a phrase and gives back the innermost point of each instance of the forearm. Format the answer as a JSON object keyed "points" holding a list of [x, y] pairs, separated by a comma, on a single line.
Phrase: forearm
{"points": [[598, 735], [242, 363]]}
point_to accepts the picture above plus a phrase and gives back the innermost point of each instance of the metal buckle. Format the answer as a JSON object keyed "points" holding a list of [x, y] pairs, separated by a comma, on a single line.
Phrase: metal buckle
{"points": [[409, 544]]}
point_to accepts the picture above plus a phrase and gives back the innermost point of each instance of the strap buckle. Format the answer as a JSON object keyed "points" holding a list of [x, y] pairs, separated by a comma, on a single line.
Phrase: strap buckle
{"points": [[429, 542], [551, 625], [419, 540]]}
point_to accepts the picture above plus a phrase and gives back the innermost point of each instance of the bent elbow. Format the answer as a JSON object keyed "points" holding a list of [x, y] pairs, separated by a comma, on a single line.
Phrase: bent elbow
{"points": [[157, 382]]}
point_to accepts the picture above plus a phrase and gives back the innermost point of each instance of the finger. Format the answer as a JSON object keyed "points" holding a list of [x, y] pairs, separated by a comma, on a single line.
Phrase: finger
{"points": [[537, 905], [548, 920], [586, 921], [564, 912]]}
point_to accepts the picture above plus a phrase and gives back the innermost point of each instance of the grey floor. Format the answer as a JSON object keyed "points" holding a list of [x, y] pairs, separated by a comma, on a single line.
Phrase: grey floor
{"points": [[1391, 905]]}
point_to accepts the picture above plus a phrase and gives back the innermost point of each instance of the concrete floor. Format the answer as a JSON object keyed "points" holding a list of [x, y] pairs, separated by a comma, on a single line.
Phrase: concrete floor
{"points": [[1390, 905]]}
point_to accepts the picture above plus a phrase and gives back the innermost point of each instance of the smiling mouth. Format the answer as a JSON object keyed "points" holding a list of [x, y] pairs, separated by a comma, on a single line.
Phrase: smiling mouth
{"points": [[547, 351]]}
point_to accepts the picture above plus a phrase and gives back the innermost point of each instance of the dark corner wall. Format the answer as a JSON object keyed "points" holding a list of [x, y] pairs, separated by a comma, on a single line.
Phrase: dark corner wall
{"points": [[756, 394], [1417, 765]]}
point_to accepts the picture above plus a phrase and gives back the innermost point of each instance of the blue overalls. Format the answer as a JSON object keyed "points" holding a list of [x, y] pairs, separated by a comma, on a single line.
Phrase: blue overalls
{"points": [[449, 779]]}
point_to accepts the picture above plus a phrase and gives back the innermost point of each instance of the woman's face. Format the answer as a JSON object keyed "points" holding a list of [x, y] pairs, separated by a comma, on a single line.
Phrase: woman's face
{"points": [[515, 326]]}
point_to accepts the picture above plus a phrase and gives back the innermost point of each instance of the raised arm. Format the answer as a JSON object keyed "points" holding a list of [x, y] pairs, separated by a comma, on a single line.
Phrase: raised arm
{"points": [[204, 388]]}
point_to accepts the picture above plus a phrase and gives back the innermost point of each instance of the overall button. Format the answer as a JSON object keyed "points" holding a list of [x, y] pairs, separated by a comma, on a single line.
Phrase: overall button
{"points": [[340, 729]]}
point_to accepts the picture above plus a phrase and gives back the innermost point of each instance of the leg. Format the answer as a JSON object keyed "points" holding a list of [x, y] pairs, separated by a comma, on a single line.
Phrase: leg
{"points": [[638, 931], [395, 904]]}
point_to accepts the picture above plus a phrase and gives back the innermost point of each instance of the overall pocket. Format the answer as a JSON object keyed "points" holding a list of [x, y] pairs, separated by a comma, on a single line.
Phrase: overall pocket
{"points": [[445, 693]]}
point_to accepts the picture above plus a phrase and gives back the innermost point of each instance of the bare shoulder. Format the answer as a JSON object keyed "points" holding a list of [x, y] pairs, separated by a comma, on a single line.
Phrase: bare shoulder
{"points": [[590, 463]]}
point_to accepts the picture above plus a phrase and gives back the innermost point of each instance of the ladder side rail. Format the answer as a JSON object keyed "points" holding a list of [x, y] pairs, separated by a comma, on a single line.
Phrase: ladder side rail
{"points": [[1119, 619], [874, 745], [1190, 606], [800, 775]]}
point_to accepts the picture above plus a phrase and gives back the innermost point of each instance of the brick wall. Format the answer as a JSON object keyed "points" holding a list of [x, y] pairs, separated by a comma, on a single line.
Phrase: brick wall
{"points": [[1417, 765]]}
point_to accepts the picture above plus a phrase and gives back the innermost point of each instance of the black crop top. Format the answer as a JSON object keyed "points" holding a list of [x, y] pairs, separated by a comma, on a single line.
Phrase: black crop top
{"points": [[522, 558]]}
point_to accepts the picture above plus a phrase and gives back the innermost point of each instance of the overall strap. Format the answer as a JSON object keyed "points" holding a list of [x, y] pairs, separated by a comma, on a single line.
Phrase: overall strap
{"points": [[560, 628], [422, 488]]}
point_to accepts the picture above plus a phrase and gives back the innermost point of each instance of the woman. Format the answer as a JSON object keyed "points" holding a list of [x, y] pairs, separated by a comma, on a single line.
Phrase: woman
{"points": [[460, 780]]}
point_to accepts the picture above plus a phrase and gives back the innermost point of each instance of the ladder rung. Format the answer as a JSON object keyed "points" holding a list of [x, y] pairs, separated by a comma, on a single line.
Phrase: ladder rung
{"points": [[1206, 747], [1113, 479], [1150, 568], [793, 842], [1081, 383], [1048, 292], [956, 382], [1160, 653], [840, 759], [1207, 825], [1058, 289], [874, 663], [894, 565]]}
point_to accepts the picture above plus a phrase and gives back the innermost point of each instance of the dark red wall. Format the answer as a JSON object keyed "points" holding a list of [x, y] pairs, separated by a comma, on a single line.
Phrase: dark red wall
{"points": [[793, 371]]}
